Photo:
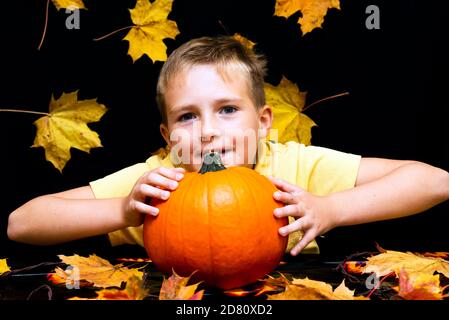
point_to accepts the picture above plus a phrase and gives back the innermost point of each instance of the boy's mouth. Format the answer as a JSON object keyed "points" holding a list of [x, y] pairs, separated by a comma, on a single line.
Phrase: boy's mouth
{"points": [[221, 151]]}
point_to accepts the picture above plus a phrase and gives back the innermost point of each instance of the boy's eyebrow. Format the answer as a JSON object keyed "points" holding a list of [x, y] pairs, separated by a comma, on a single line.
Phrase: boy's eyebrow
{"points": [[181, 108], [228, 100]]}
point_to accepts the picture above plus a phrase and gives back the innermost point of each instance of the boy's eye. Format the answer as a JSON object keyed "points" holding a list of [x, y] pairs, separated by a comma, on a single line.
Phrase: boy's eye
{"points": [[186, 117], [229, 109]]}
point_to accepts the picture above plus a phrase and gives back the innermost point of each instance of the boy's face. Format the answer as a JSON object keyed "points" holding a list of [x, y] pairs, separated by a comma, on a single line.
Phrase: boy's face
{"points": [[206, 111]]}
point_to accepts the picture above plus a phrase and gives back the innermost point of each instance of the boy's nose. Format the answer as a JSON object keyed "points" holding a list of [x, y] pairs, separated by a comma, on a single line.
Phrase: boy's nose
{"points": [[209, 130]]}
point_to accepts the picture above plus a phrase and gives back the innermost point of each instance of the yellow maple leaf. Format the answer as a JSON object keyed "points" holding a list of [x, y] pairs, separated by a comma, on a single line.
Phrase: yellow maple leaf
{"points": [[69, 4], [293, 292], [244, 41], [307, 289], [395, 261], [313, 11], [67, 278], [312, 284], [151, 27], [342, 292], [96, 270], [419, 286], [176, 288], [4, 266], [287, 102], [66, 127], [133, 291]]}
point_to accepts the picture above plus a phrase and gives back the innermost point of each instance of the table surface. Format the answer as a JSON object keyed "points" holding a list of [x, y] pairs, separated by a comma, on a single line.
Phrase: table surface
{"points": [[29, 281]]}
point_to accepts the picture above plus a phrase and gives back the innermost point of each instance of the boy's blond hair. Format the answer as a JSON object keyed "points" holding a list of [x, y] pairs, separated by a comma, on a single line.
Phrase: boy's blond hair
{"points": [[225, 53]]}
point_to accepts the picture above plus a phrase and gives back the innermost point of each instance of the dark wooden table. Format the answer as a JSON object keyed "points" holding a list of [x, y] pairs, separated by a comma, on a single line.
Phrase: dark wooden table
{"points": [[29, 280]]}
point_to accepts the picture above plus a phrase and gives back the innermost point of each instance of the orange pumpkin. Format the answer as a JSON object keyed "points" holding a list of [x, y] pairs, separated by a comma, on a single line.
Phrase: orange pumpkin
{"points": [[220, 223]]}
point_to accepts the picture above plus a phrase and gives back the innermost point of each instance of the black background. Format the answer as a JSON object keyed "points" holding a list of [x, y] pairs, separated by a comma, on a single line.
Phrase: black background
{"points": [[397, 108]]}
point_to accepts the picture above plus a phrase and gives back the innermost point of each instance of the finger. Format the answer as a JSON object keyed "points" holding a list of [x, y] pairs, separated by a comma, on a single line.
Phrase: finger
{"points": [[145, 209], [156, 179], [171, 173], [292, 227], [146, 190], [284, 185], [285, 197], [290, 210], [309, 235]]}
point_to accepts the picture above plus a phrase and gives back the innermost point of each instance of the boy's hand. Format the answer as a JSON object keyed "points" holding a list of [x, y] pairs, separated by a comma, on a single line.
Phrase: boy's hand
{"points": [[153, 184], [312, 213]]}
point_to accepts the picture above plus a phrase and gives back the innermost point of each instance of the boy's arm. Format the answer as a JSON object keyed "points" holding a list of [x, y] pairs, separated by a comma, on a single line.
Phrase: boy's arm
{"points": [[76, 213], [387, 189], [65, 216]]}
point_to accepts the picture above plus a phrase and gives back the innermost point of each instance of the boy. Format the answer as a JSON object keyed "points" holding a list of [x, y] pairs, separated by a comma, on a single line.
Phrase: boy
{"points": [[210, 95]]}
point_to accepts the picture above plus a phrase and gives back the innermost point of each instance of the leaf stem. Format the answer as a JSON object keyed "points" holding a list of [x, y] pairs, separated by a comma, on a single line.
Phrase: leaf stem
{"points": [[324, 99], [25, 111], [113, 32], [45, 26]]}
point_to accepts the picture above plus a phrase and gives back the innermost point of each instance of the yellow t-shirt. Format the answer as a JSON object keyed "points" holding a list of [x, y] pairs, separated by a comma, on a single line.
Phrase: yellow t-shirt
{"points": [[318, 170]]}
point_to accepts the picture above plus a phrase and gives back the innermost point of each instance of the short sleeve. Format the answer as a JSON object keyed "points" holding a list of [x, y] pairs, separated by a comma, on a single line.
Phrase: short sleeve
{"points": [[323, 171], [118, 184]]}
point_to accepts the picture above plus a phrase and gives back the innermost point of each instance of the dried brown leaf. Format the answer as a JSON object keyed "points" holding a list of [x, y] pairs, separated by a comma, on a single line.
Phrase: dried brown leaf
{"points": [[176, 288], [96, 270]]}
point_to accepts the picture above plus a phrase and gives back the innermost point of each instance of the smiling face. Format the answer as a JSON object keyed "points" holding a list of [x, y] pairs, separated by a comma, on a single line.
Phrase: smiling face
{"points": [[208, 111]]}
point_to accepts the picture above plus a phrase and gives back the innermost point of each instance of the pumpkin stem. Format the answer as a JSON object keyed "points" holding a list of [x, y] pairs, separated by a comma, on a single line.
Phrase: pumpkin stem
{"points": [[212, 162]]}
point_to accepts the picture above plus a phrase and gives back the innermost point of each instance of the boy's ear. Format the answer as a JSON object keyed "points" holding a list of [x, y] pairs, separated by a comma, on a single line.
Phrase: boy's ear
{"points": [[165, 133], [265, 120]]}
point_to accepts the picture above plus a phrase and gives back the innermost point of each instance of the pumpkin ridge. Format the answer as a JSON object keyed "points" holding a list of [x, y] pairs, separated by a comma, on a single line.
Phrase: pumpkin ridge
{"points": [[250, 191], [258, 203], [227, 178], [171, 207], [212, 267], [234, 175], [164, 242], [162, 239], [252, 177], [181, 199], [202, 180], [256, 200], [243, 182]]}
